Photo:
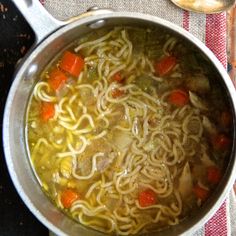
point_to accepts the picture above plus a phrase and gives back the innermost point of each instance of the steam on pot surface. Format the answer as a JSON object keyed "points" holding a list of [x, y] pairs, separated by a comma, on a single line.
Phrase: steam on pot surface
{"points": [[128, 130]]}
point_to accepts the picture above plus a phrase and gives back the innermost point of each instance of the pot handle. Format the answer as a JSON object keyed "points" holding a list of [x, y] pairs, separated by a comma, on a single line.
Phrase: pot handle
{"points": [[38, 18], [43, 23]]}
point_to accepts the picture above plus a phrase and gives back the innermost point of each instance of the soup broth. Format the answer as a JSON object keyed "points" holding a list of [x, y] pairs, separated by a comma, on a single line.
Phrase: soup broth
{"points": [[128, 130]]}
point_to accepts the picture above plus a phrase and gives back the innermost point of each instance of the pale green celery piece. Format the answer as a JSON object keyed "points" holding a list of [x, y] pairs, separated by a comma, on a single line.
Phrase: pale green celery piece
{"points": [[144, 82]]}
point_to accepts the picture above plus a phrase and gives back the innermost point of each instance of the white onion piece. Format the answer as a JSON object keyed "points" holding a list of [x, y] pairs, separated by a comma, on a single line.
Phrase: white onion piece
{"points": [[209, 126], [197, 101], [185, 182], [206, 160]]}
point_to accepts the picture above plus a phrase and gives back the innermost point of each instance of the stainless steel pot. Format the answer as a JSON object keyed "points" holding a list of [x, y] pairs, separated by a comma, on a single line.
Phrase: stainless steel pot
{"points": [[51, 37]]}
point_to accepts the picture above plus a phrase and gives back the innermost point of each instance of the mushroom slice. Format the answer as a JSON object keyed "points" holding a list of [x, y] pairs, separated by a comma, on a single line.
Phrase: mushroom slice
{"points": [[197, 101], [209, 126], [185, 182]]}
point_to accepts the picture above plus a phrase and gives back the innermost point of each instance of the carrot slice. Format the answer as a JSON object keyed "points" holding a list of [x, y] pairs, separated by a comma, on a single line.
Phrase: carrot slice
{"points": [[213, 174], [68, 196], [57, 79], [165, 65], [47, 111], [147, 198], [200, 192], [178, 98], [117, 77], [115, 93], [221, 142], [72, 63]]}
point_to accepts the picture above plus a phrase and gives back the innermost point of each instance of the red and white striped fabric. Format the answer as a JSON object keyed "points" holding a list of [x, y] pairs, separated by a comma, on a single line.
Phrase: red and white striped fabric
{"points": [[210, 29]]}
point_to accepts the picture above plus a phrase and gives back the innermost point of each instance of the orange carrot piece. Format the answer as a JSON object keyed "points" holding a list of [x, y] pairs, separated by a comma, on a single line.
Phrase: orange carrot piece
{"points": [[47, 111], [115, 93], [178, 98], [68, 196], [72, 63], [221, 142], [56, 79], [200, 192], [117, 77], [165, 65], [213, 174], [147, 198]]}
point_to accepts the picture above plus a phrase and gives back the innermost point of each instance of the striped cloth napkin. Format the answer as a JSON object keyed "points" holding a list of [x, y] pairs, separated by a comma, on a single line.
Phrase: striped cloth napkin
{"points": [[210, 29]]}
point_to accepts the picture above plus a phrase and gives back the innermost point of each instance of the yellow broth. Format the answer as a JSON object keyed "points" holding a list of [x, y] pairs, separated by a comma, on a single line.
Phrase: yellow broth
{"points": [[137, 139]]}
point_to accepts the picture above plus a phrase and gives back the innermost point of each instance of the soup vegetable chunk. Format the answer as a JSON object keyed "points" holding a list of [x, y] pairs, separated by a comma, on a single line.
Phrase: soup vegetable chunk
{"points": [[128, 131]]}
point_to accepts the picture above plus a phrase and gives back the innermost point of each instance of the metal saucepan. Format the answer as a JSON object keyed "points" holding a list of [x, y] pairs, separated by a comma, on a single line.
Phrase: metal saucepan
{"points": [[51, 37]]}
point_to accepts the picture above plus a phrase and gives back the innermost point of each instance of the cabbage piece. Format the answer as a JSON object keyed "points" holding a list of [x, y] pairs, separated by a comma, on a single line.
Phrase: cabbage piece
{"points": [[197, 101], [105, 161], [112, 203], [87, 97], [122, 139], [185, 182]]}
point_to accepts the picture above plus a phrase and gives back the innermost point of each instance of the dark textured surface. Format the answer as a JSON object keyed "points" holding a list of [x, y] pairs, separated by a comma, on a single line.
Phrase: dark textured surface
{"points": [[15, 39]]}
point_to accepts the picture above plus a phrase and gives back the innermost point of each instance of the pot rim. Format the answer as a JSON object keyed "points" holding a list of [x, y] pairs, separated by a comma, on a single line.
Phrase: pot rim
{"points": [[129, 15]]}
